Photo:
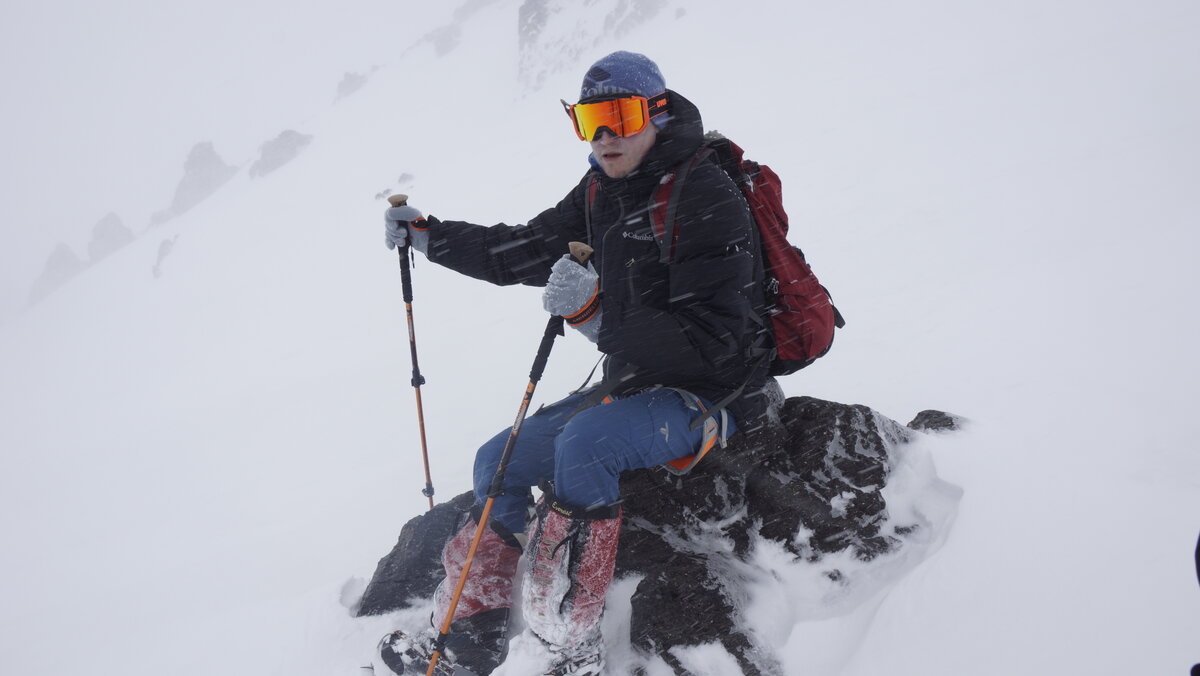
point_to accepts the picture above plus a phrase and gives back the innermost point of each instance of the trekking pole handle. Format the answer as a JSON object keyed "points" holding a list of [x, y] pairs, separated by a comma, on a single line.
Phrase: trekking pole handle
{"points": [[401, 200], [580, 251]]}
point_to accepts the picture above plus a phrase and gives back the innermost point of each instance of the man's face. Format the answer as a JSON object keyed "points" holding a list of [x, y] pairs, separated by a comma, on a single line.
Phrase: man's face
{"points": [[618, 156]]}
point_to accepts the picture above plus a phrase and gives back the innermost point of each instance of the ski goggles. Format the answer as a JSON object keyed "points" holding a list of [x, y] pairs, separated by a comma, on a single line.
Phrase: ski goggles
{"points": [[625, 116]]}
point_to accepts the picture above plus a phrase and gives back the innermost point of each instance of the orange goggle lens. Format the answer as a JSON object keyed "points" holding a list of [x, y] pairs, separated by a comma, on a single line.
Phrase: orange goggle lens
{"points": [[624, 117]]}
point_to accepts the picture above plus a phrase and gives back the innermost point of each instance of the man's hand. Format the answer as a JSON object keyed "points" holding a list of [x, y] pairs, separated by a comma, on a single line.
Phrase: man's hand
{"points": [[403, 225], [572, 292]]}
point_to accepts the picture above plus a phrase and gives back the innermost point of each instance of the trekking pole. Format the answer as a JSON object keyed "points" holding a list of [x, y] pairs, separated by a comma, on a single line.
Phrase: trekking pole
{"points": [[417, 379], [554, 328]]}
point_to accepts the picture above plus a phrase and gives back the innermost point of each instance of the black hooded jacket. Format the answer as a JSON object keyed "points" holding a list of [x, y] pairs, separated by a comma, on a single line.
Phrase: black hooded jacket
{"points": [[689, 324]]}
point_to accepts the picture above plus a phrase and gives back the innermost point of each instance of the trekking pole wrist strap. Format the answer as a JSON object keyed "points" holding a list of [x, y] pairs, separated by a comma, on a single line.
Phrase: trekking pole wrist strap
{"points": [[586, 313]]}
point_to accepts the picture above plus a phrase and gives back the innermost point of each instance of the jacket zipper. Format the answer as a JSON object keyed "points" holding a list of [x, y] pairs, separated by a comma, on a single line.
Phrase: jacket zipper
{"points": [[604, 241]]}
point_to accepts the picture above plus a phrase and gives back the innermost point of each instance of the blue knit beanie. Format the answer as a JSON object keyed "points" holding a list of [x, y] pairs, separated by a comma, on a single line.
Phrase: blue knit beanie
{"points": [[622, 73]]}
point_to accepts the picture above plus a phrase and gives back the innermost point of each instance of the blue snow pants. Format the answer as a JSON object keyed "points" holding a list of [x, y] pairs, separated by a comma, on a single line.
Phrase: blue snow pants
{"points": [[585, 453]]}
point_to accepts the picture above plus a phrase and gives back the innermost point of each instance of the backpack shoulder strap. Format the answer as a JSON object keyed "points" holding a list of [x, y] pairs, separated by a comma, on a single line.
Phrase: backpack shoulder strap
{"points": [[664, 205], [593, 186]]}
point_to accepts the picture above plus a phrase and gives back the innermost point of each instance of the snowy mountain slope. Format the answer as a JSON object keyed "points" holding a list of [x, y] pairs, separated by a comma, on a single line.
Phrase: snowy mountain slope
{"points": [[1000, 198]]}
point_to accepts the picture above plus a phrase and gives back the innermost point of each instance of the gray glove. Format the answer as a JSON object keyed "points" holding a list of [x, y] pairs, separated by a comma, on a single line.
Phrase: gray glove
{"points": [[403, 225], [573, 293]]}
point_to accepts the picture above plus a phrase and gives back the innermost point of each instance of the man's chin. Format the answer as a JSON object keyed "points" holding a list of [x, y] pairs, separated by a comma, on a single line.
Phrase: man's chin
{"points": [[613, 170]]}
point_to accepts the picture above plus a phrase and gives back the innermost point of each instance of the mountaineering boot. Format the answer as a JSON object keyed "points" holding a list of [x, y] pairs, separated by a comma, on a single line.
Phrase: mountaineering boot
{"points": [[478, 638], [405, 654], [572, 556], [461, 655], [584, 661]]}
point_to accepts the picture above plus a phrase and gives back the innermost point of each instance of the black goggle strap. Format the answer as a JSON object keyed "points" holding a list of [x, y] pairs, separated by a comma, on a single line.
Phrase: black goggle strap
{"points": [[657, 105]]}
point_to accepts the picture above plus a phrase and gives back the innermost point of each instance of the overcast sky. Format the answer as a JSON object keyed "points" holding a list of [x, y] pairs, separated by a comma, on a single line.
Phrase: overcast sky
{"points": [[102, 101]]}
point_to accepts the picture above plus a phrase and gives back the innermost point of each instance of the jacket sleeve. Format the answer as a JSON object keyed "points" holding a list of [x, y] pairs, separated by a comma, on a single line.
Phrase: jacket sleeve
{"points": [[705, 328], [510, 254]]}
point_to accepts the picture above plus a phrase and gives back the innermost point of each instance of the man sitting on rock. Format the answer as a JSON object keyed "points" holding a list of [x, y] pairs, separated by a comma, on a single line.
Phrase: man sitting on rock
{"points": [[676, 338]]}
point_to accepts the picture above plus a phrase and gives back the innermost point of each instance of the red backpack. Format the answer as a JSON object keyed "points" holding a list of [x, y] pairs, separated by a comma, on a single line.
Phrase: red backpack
{"points": [[799, 311]]}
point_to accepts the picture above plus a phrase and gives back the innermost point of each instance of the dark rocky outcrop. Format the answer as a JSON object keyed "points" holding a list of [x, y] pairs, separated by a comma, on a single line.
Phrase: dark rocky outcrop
{"points": [[165, 248], [810, 480], [541, 23], [936, 421], [446, 38], [108, 235], [279, 151], [61, 266], [350, 83], [413, 569], [204, 172]]}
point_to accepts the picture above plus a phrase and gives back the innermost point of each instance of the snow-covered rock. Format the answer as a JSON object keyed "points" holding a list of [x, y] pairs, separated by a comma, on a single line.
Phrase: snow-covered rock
{"points": [[808, 497]]}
